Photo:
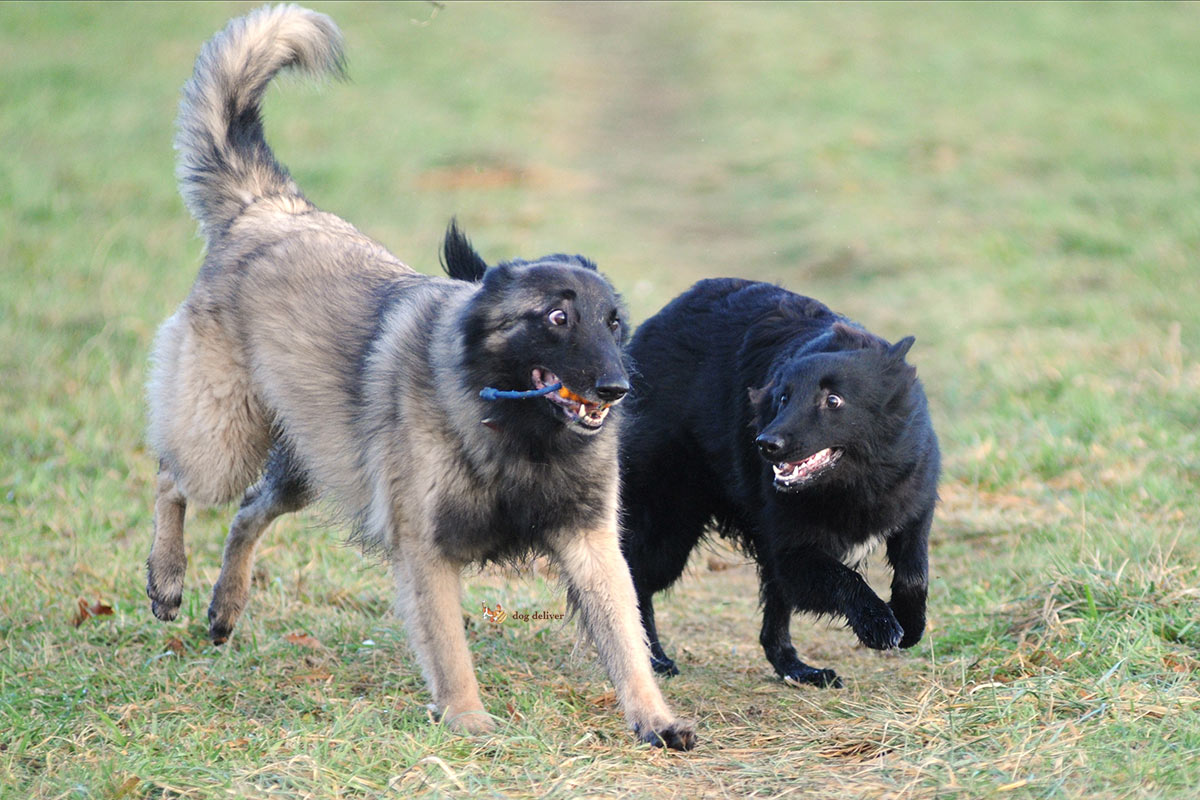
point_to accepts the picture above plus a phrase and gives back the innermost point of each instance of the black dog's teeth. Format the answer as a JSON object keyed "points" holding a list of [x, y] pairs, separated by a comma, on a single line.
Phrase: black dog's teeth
{"points": [[793, 472]]}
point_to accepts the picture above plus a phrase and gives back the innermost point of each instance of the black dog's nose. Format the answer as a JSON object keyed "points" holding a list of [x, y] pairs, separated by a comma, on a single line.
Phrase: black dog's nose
{"points": [[769, 445], [613, 390]]}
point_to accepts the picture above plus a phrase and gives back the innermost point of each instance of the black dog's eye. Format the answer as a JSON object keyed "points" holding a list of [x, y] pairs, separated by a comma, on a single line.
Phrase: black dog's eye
{"points": [[783, 400], [614, 324], [557, 317], [834, 401]]}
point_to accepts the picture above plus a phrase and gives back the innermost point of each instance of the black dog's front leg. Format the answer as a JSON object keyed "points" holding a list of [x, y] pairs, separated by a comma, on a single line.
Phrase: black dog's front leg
{"points": [[814, 581], [908, 553], [776, 641], [659, 660]]}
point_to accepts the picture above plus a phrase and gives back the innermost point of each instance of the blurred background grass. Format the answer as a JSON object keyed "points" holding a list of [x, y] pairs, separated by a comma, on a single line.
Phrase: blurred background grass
{"points": [[1016, 185]]}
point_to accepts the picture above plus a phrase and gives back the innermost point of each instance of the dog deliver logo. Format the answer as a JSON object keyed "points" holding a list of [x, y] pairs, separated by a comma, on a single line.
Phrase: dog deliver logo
{"points": [[498, 615]]}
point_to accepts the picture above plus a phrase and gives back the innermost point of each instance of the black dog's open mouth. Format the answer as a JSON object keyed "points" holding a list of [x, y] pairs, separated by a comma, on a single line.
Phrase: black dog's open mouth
{"points": [[793, 474], [574, 408]]}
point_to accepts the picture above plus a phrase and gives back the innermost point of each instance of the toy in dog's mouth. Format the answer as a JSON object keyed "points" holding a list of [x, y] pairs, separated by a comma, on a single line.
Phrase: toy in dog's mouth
{"points": [[573, 407], [794, 474]]}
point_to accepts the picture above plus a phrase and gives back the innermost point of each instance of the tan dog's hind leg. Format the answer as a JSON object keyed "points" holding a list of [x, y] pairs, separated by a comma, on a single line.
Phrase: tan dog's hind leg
{"points": [[283, 489], [600, 586], [211, 435], [429, 594], [168, 559]]}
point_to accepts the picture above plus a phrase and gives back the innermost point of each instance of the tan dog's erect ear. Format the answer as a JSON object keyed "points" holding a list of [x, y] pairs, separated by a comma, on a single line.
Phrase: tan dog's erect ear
{"points": [[458, 257]]}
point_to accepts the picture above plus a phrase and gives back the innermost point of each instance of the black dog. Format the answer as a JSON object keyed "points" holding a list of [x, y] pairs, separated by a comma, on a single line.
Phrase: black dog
{"points": [[798, 434]]}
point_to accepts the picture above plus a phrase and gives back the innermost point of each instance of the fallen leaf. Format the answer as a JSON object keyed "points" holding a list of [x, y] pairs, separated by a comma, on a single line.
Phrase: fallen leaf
{"points": [[1180, 663], [320, 675], [84, 611], [175, 645], [301, 639], [126, 787]]}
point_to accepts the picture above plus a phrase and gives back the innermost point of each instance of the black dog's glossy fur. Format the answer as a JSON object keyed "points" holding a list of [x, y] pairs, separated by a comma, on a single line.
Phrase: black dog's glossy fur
{"points": [[794, 432]]}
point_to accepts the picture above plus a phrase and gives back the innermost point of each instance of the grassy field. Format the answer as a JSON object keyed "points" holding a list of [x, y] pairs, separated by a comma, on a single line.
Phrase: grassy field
{"points": [[1016, 185]]}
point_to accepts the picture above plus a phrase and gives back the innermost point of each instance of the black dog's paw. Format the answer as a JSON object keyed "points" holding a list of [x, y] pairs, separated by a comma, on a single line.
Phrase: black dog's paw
{"points": [[878, 629], [912, 635], [664, 666], [821, 678], [679, 735], [911, 618]]}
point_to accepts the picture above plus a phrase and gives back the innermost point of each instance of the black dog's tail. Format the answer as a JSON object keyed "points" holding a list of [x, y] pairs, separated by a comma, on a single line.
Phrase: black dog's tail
{"points": [[224, 161], [459, 259]]}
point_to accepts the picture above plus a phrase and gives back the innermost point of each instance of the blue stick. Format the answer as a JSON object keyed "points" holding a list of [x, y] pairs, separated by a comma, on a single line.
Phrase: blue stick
{"points": [[488, 393]]}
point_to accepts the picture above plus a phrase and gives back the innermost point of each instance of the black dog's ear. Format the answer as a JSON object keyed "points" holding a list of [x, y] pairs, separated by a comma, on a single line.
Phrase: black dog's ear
{"points": [[900, 349], [757, 396], [904, 374], [458, 257], [850, 337]]}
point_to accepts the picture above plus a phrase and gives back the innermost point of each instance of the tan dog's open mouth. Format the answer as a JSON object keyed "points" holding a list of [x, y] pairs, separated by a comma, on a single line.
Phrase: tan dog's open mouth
{"points": [[576, 409]]}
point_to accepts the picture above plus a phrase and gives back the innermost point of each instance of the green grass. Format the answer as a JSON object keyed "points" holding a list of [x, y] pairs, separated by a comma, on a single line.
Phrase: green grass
{"points": [[1016, 185]]}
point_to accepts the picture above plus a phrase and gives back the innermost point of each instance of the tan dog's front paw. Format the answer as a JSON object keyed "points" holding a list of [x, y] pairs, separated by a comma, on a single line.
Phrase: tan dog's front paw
{"points": [[469, 723], [677, 735]]}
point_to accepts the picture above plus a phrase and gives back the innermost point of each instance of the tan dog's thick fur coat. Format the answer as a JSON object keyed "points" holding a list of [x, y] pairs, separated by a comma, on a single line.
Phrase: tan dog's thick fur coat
{"points": [[308, 362]]}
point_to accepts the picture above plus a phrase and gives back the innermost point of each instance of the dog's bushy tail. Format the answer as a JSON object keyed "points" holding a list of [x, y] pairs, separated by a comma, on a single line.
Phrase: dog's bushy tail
{"points": [[224, 161]]}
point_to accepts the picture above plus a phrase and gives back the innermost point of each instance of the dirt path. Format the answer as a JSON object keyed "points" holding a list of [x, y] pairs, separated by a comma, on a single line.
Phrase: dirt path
{"points": [[635, 134], [636, 82]]}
